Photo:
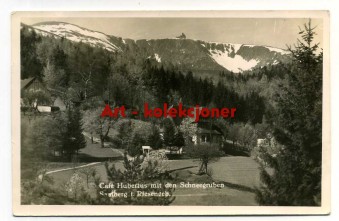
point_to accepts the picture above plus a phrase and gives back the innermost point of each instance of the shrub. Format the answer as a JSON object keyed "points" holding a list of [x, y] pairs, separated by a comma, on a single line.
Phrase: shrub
{"points": [[205, 154]]}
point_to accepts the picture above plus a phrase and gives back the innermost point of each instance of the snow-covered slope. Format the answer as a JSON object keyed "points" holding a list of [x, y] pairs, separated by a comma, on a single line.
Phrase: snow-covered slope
{"points": [[236, 64], [241, 57], [77, 34], [228, 58]]}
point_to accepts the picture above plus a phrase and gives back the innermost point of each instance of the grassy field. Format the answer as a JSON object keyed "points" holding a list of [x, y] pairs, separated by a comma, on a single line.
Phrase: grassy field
{"points": [[239, 175], [214, 197]]}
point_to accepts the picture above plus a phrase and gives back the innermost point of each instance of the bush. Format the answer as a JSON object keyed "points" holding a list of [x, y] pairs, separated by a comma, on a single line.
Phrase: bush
{"points": [[117, 142], [154, 139], [205, 154], [135, 144], [137, 171]]}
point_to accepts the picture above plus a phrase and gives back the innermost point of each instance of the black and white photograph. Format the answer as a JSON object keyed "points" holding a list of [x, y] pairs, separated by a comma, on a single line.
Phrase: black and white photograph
{"points": [[178, 110]]}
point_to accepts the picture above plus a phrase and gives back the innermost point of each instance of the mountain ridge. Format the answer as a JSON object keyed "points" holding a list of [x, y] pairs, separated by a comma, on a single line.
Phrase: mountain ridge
{"points": [[185, 53]]}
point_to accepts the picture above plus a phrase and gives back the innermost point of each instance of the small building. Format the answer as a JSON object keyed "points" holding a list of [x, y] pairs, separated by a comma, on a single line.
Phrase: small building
{"points": [[182, 36], [32, 84], [53, 103], [146, 150], [260, 142], [173, 151], [47, 109], [209, 136], [207, 131]]}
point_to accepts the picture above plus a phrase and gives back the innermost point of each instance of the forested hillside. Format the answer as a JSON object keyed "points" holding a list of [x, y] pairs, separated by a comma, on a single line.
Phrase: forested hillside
{"points": [[85, 73], [277, 95]]}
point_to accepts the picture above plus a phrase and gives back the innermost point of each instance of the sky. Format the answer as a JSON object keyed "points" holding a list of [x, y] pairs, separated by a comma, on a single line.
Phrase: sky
{"points": [[275, 32]]}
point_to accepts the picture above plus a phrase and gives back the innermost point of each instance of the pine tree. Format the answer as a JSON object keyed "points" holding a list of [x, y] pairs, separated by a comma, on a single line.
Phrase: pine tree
{"points": [[135, 143], [154, 139], [74, 139], [169, 132], [179, 140], [296, 178]]}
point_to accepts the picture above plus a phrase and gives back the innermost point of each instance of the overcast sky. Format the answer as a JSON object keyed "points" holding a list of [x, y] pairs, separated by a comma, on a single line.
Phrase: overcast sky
{"points": [[257, 31]]}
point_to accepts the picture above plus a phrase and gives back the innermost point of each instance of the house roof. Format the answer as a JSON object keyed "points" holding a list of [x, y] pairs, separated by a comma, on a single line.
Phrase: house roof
{"points": [[207, 131], [26, 82]]}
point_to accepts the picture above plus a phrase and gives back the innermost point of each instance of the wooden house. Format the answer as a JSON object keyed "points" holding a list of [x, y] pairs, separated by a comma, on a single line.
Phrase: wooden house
{"points": [[207, 133], [54, 103]]}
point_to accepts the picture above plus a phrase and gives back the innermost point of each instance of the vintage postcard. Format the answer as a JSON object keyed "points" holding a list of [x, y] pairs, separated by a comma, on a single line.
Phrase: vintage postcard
{"points": [[170, 113]]}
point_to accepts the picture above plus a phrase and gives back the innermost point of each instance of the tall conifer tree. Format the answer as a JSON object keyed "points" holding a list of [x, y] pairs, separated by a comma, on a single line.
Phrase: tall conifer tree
{"points": [[74, 139], [296, 178]]}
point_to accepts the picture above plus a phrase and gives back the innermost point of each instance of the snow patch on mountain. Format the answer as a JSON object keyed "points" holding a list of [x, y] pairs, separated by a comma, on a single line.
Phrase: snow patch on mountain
{"points": [[236, 47], [157, 57], [281, 51], [235, 64], [44, 33], [77, 34]]}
